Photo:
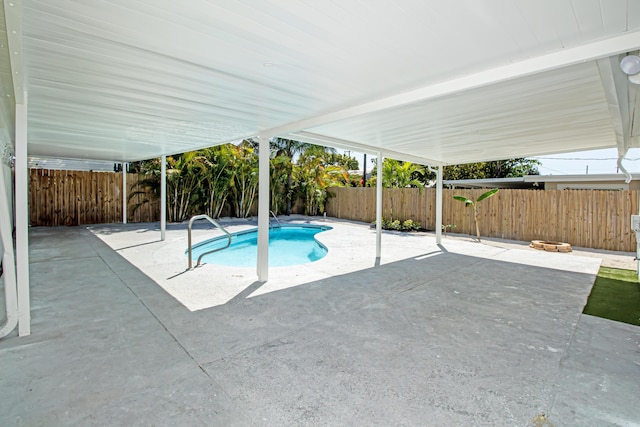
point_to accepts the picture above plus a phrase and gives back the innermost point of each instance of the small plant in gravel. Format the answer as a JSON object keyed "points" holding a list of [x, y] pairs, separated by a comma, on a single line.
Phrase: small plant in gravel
{"points": [[448, 226]]}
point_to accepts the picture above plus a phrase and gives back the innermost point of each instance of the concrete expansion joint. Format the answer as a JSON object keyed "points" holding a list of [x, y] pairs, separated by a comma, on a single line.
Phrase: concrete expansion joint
{"points": [[165, 328], [563, 358], [59, 260]]}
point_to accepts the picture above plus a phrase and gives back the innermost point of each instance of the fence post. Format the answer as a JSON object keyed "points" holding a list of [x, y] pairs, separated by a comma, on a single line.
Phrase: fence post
{"points": [[439, 206], [163, 197], [124, 193], [379, 207]]}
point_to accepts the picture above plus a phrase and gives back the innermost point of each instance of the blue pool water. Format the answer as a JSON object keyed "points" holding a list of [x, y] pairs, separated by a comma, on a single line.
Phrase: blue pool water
{"points": [[288, 245]]}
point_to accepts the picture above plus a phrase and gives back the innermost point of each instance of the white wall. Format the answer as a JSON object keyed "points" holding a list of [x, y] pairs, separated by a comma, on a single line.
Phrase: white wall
{"points": [[7, 192]]}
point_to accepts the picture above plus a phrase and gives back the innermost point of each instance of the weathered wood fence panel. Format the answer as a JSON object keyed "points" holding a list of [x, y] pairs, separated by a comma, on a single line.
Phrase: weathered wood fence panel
{"points": [[598, 219], [59, 197], [585, 218], [141, 206]]}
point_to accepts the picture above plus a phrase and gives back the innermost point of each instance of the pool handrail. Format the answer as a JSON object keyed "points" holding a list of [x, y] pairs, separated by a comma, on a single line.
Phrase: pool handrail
{"points": [[215, 223], [276, 218]]}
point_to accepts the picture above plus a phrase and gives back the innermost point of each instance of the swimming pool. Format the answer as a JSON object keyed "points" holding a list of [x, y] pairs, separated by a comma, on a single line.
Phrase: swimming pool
{"points": [[288, 245]]}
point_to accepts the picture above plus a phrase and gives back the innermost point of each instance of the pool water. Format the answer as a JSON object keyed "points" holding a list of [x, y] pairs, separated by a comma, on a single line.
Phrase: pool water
{"points": [[288, 245]]}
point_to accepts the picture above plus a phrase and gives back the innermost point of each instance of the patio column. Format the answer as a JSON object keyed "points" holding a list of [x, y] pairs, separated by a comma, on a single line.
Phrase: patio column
{"points": [[163, 197], [379, 206], [8, 255], [22, 220], [439, 206], [124, 193], [263, 210]]}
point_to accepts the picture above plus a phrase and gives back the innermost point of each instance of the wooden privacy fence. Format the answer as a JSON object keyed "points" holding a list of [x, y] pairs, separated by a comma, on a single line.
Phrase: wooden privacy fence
{"points": [[59, 197], [598, 219], [587, 218]]}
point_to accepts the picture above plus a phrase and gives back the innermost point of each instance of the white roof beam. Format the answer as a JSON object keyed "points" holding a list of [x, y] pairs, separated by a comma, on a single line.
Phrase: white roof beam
{"points": [[13, 21], [314, 138], [616, 89], [588, 52], [615, 85]]}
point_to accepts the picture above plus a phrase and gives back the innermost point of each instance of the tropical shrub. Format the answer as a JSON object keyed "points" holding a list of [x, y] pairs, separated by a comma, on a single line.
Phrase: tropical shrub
{"points": [[244, 178], [218, 174], [397, 225], [184, 178]]}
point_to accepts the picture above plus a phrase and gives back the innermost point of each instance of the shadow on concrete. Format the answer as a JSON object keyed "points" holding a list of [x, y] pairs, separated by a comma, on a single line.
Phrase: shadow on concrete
{"points": [[443, 338]]}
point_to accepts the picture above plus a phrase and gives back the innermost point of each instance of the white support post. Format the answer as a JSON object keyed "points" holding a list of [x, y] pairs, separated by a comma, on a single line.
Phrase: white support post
{"points": [[439, 206], [263, 210], [163, 198], [124, 193], [22, 220], [8, 259], [379, 206]]}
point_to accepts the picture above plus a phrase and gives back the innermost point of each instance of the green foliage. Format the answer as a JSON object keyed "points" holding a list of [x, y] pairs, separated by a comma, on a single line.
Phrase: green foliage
{"points": [[243, 184], [218, 175], [510, 168], [448, 227], [288, 148], [474, 204], [226, 176], [410, 225], [281, 169], [397, 225], [487, 195], [184, 178], [314, 177], [347, 162], [397, 174], [464, 200]]}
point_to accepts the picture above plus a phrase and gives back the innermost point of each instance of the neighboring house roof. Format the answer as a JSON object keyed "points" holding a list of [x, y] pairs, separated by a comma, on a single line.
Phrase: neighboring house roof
{"points": [[429, 82], [535, 181], [579, 178], [488, 183]]}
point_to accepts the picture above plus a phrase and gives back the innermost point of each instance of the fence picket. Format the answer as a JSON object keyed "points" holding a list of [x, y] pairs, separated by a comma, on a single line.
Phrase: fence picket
{"points": [[586, 218], [596, 219]]}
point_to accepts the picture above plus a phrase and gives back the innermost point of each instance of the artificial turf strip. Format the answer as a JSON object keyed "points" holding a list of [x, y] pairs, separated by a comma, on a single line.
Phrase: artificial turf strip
{"points": [[615, 295]]}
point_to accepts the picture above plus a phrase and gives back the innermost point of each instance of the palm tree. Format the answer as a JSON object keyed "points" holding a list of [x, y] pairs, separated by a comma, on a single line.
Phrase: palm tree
{"points": [[244, 178], [397, 174], [315, 176], [289, 148], [184, 178], [218, 174], [280, 170]]}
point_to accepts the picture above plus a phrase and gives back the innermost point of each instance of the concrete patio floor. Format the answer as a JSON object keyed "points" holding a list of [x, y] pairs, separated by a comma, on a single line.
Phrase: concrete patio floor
{"points": [[457, 334]]}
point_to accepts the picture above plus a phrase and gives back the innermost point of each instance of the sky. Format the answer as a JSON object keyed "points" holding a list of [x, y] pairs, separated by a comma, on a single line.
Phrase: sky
{"points": [[594, 161], [577, 163]]}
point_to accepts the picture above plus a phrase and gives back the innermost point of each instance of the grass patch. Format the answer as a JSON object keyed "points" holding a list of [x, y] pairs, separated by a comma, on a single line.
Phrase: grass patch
{"points": [[616, 296]]}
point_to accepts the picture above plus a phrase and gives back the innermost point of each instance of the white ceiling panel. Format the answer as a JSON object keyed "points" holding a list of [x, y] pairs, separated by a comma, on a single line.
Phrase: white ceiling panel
{"points": [[555, 111], [126, 80]]}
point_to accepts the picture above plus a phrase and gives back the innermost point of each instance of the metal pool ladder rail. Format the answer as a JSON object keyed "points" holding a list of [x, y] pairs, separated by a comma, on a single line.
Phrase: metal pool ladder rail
{"points": [[215, 223], [276, 218]]}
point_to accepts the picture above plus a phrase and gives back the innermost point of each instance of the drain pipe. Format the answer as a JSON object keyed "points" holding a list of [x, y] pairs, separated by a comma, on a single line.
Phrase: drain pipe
{"points": [[623, 169], [628, 180], [8, 261]]}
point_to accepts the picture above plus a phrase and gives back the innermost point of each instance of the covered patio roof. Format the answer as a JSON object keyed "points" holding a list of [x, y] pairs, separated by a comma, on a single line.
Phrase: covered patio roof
{"points": [[430, 82], [434, 82]]}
